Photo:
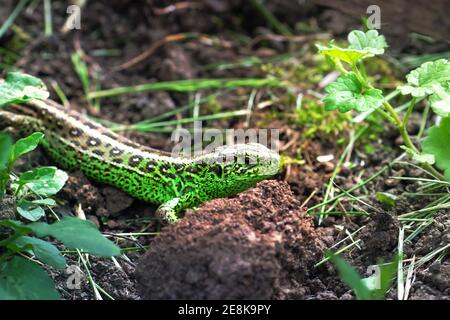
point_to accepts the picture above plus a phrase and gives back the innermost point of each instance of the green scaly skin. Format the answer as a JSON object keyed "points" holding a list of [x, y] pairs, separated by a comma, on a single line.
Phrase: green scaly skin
{"points": [[176, 183]]}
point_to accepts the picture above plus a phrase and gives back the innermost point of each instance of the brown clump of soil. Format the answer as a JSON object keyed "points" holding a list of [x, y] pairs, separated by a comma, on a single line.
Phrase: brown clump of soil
{"points": [[258, 245]]}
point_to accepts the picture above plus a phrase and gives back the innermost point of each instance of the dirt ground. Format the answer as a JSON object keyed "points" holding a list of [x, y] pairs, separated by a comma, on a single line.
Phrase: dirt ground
{"points": [[260, 244]]}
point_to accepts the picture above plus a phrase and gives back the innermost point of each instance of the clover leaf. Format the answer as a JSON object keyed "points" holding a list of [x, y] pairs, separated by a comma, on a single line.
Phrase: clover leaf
{"points": [[423, 80], [347, 93], [437, 144]]}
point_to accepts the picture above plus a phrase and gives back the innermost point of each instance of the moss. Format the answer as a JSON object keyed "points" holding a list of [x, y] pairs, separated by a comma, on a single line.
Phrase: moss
{"points": [[314, 120]]}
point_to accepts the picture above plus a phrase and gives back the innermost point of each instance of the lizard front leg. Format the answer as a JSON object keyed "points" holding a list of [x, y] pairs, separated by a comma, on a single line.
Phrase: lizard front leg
{"points": [[168, 211]]}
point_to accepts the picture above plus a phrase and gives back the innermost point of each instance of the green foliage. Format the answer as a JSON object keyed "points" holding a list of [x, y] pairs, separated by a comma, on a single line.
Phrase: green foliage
{"points": [[82, 70], [423, 80], [43, 181], [43, 250], [387, 198], [30, 210], [77, 233], [355, 91], [6, 145], [372, 288], [19, 87], [440, 101], [362, 45], [369, 41], [25, 145], [21, 279], [437, 143], [11, 152], [350, 56], [313, 119], [347, 93]]}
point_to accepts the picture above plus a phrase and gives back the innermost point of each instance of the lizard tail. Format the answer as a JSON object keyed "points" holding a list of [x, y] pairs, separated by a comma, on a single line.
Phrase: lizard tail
{"points": [[5, 119], [23, 123]]}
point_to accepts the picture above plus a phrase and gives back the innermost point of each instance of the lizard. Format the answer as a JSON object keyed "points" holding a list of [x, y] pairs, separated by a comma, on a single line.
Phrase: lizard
{"points": [[175, 183]]}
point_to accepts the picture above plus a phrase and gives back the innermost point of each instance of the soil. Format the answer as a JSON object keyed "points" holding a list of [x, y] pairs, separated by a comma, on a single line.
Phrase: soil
{"points": [[260, 244]]}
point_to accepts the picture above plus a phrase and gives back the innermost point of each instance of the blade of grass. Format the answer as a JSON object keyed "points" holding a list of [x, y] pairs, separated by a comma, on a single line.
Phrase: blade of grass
{"points": [[48, 28], [338, 167], [148, 126], [9, 21], [400, 283], [181, 109], [271, 19], [409, 278], [189, 86], [341, 195]]}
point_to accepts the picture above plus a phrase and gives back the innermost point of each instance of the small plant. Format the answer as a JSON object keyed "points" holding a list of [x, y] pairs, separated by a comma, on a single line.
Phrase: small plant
{"points": [[374, 287], [22, 251], [354, 90], [21, 277]]}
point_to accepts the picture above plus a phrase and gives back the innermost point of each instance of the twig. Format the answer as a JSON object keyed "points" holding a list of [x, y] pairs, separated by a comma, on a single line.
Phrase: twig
{"points": [[147, 53]]}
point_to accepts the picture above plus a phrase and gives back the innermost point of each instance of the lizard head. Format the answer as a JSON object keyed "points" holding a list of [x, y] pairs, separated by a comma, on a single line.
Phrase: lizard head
{"points": [[240, 166], [250, 160]]}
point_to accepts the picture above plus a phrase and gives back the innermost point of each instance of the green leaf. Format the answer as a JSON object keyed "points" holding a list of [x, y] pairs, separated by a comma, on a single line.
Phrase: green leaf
{"points": [[25, 145], [380, 283], [424, 158], [43, 250], [420, 157], [77, 233], [347, 93], [44, 181], [386, 276], [440, 101], [6, 146], [422, 80], [437, 143], [29, 210], [82, 70], [362, 45], [386, 198], [369, 41], [348, 55], [19, 87], [21, 279], [16, 225], [350, 276], [44, 202]]}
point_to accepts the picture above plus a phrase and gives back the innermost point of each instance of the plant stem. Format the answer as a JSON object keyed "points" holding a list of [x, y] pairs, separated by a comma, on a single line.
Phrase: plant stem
{"points": [[360, 77], [340, 67], [409, 111], [401, 126]]}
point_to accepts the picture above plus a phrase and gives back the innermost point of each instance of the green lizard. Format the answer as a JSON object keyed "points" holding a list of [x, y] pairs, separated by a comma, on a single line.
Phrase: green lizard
{"points": [[175, 183]]}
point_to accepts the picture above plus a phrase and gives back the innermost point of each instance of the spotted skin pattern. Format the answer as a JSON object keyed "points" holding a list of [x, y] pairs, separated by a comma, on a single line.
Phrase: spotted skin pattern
{"points": [[176, 183]]}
